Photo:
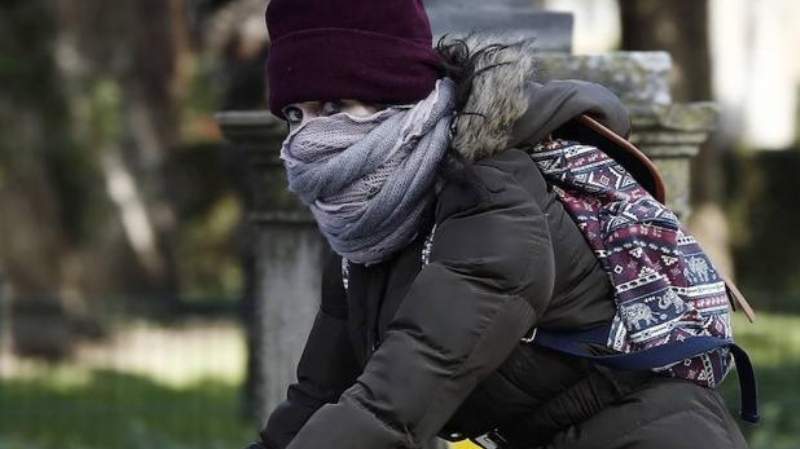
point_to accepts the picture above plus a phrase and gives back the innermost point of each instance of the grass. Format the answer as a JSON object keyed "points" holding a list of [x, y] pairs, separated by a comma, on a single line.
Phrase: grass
{"points": [[149, 386], [75, 407], [773, 343], [113, 410]]}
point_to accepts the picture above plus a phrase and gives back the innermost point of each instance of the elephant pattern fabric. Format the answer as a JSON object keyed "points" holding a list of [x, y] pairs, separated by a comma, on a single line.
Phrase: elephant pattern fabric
{"points": [[665, 287]]}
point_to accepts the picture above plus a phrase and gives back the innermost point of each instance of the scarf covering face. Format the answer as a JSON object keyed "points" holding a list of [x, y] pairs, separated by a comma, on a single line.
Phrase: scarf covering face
{"points": [[368, 180]]}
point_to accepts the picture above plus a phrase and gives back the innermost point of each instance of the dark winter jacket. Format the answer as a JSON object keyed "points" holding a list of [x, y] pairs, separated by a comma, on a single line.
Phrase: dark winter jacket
{"points": [[409, 350]]}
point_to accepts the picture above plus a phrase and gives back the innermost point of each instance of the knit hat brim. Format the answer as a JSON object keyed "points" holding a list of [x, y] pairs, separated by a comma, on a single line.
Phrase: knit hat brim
{"points": [[337, 63]]}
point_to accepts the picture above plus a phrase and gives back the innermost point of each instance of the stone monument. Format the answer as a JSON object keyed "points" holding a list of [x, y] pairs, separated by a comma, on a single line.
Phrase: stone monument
{"points": [[288, 250]]}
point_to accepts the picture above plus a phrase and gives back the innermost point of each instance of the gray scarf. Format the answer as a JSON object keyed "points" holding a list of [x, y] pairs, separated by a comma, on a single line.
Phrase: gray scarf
{"points": [[368, 180]]}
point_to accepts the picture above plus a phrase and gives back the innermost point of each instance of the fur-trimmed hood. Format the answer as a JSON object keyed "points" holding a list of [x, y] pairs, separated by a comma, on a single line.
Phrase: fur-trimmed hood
{"points": [[507, 106]]}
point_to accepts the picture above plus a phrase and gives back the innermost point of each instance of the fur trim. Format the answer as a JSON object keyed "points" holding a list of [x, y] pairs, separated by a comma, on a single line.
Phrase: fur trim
{"points": [[498, 96]]}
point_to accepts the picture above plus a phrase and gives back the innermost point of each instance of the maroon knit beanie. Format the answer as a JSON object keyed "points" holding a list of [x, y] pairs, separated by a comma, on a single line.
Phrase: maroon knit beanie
{"points": [[375, 51]]}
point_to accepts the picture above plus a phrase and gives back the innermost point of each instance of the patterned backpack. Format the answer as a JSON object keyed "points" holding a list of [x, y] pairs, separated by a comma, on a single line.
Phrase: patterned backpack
{"points": [[673, 307]]}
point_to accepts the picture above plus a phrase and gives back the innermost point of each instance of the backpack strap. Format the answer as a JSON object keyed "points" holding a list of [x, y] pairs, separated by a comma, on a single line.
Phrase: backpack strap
{"points": [[580, 344], [737, 298], [587, 130]]}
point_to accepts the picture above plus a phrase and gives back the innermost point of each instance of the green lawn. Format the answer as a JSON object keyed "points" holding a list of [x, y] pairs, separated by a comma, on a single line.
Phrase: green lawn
{"points": [[112, 410], [71, 408], [773, 343]]}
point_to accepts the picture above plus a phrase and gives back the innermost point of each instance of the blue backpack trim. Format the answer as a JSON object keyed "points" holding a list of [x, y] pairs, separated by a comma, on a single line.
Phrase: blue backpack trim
{"points": [[578, 344]]}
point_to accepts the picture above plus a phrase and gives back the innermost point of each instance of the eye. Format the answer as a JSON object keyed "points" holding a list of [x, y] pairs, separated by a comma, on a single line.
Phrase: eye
{"points": [[331, 107], [293, 115]]}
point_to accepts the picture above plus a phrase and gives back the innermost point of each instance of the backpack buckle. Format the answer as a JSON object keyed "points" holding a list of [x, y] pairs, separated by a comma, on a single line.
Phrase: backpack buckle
{"points": [[530, 336]]}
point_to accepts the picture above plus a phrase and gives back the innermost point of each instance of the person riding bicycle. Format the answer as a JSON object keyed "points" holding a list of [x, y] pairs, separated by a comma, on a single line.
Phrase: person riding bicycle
{"points": [[448, 246]]}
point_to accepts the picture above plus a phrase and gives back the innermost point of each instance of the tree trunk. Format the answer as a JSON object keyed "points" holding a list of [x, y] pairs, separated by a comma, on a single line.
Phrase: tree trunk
{"points": [[34, 237], [5, 328], [681, 28], [132, 58]]}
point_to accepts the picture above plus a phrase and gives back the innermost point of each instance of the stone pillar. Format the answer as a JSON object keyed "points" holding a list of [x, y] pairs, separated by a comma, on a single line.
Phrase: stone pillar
{"points": [[288, 251], [671, 136]]}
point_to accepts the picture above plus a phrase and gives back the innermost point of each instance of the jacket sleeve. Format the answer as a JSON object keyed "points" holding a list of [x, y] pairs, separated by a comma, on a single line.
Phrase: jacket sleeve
{"points": [[327, 366], [491, 275]]}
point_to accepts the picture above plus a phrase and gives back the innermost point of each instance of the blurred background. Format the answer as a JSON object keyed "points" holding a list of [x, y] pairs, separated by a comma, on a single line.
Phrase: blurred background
{"points": [[126, 259]]}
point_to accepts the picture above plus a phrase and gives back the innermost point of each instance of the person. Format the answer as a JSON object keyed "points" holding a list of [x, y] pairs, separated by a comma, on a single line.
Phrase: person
{"points": [[448, 246]]}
